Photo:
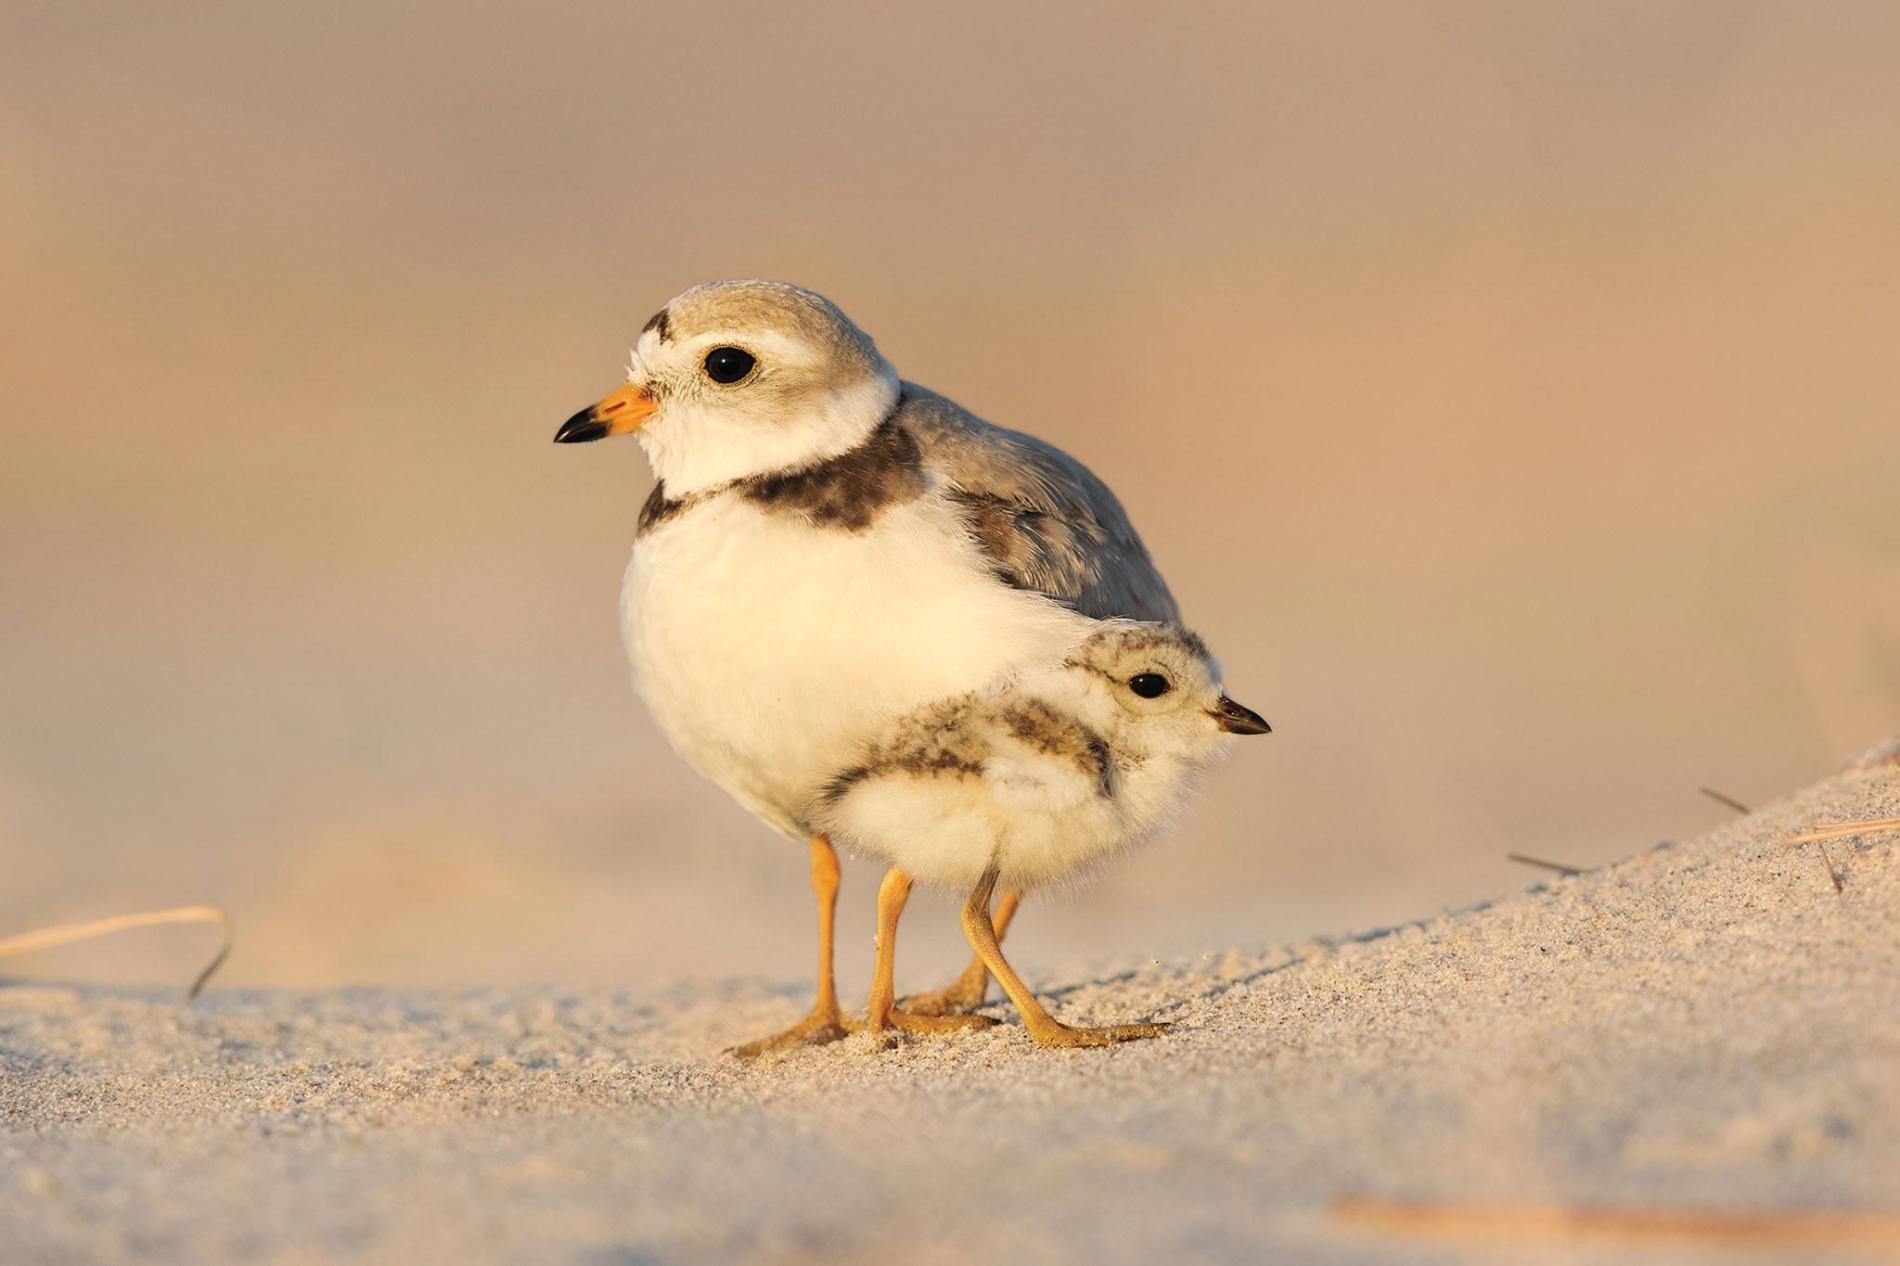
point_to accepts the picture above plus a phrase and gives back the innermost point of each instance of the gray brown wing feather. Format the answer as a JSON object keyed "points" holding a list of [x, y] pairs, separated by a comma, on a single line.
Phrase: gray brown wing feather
{"points": [[1042, 518]]}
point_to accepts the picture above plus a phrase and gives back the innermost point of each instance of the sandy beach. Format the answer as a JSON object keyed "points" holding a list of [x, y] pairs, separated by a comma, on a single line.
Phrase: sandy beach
{"points": [[1706, 1027], [1506, 393]]}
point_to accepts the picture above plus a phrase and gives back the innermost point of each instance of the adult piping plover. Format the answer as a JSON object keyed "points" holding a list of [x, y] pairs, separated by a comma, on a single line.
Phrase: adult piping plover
{"points": [[828, 548], [1032, 782]]}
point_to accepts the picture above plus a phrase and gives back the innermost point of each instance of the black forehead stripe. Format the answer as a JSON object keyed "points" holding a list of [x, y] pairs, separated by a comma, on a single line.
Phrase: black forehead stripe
{"points": [[659, 323]]}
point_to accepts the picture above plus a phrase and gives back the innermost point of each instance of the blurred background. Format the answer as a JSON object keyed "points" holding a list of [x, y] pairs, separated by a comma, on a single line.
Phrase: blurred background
{"points": [[1508, 392]]}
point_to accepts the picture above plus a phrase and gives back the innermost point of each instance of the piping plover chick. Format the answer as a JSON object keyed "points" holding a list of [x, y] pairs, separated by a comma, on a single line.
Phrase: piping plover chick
{"points": [[1032, 783], [828, 548]]}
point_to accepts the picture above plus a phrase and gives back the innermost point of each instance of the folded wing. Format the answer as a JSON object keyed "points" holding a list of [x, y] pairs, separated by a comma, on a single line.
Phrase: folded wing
{"points": [[1042, 518]]}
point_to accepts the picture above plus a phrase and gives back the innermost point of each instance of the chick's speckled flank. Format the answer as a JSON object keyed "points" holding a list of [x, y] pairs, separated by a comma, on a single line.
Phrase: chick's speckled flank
{"points": [[1043, 778]]}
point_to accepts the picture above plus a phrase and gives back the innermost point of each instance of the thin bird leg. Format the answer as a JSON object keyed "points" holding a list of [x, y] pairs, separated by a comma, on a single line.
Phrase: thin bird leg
{"points": [[969, 989], [880, 1011], [824, 1024], [1043, 1027], [891, 896]]}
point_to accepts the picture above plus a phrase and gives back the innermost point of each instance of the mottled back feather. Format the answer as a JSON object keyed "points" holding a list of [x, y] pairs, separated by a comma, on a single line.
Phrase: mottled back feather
{"points": [[1043, 519]]}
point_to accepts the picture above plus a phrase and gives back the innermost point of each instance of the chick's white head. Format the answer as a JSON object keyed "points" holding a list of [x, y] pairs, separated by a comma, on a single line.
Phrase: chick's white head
{"points": [[1154, 690]]}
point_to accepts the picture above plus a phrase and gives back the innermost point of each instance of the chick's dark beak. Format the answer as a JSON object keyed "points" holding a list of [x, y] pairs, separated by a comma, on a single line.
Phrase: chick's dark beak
{"points": [[1238, 719]]}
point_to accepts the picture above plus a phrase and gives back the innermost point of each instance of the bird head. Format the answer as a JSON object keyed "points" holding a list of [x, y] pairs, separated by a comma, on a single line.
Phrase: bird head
{"points": [[1158, 688], [738, 378]]}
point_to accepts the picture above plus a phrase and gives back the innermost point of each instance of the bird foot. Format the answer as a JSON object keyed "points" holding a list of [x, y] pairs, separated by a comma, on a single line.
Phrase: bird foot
{"points": [[912, 1022], [905, 1021], [965, 994], [823, 1026], [1056, 1034]]}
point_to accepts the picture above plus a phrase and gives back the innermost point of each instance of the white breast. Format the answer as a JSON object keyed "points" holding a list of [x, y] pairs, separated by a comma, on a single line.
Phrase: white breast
{"points": [[770, 651]]}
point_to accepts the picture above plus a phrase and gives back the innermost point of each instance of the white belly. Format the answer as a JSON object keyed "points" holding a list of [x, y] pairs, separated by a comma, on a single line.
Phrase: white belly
{"points": [[770, 651], [947, 830]]}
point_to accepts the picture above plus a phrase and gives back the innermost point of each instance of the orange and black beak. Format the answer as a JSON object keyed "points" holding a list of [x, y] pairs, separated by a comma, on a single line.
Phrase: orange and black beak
{"points": [[622, 413], [1236, 719]]}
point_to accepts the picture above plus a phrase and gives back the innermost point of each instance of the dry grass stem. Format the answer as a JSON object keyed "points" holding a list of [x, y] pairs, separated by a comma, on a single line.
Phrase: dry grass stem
{"points": [[1719, 798], [1631, 1226], [67, 933], [1833, 876], [1559, 867], [1840, 831]]}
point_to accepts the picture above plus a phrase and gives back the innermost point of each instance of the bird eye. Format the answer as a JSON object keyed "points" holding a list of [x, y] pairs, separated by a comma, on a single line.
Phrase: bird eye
{"points": [[729, 364], [1149, 685]]}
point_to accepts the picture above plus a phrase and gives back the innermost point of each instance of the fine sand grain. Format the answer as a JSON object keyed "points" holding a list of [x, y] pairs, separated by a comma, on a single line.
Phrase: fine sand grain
{"points": [[1641, 1063]]}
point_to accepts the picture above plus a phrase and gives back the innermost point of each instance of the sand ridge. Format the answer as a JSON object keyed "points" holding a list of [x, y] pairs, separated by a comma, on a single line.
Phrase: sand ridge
{"points": [[1707, 1025]]}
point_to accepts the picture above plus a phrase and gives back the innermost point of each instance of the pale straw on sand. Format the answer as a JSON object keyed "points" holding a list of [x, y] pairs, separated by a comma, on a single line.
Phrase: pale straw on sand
{"points": [[1841, 830], [67, 933]]}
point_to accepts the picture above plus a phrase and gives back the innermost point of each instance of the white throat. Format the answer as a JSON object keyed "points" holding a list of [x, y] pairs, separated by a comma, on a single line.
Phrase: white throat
{"points": [[693, 445]]}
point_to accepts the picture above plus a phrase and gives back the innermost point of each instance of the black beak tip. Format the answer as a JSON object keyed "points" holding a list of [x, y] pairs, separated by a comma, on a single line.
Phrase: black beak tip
{"points": [[1238, 719], [581, 428]]}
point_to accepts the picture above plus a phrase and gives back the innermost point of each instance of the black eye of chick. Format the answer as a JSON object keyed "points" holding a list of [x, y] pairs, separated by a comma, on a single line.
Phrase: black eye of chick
{"points": [[729, 364], [1149, 685]]}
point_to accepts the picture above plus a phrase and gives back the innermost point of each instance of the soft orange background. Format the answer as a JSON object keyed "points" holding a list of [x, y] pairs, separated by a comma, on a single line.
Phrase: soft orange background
{"points": [[1508, 390]]}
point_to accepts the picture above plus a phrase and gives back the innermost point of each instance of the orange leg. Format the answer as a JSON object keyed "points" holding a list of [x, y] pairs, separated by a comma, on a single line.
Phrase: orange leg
{"points": [[969, 989], [880, 1011], [824, 1023], [1045, 1028]]}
